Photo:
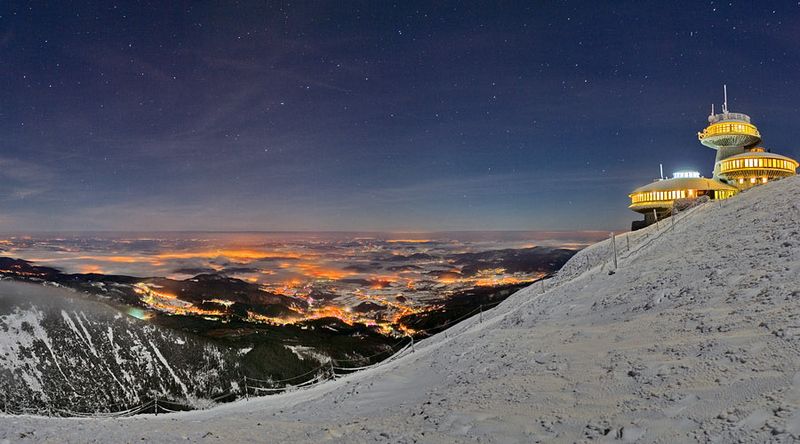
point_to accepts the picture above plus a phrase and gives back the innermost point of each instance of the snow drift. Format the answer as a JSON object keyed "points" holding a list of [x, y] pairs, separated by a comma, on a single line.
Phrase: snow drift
{"points": [[695, 336]]}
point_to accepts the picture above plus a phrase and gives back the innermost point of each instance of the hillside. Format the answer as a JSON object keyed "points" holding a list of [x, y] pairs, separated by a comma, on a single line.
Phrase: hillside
{"points": [[694, 337], [61, 352]]}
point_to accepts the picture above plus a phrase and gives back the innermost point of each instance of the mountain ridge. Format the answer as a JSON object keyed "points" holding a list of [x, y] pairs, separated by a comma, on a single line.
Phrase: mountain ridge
{"points": [[694, 336]]}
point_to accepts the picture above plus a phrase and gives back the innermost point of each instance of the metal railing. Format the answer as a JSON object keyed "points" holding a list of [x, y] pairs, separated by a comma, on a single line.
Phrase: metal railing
{"points": [[715, 118]]}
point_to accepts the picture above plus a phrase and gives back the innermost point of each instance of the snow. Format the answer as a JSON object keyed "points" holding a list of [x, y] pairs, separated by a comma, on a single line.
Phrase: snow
{"points": [[304, 352], [169, 369], [62, 352], [21, 333], [695, 337]]}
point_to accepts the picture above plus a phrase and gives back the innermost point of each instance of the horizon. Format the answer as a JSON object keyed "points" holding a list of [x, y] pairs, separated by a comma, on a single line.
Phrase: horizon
{"points": [[409, 117]]}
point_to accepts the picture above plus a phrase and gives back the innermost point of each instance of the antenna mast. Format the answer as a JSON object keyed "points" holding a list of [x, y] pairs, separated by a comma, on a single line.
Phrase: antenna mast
{"points": [[661, 170], [725, 103]]}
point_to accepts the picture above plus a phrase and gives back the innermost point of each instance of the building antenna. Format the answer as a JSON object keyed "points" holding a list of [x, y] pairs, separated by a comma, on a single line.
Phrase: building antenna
{"points": [[712, 109], [725, 103]]}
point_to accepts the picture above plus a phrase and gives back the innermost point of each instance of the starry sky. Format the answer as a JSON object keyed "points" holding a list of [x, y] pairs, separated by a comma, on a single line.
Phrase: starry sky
{"points": [[372, 115]]}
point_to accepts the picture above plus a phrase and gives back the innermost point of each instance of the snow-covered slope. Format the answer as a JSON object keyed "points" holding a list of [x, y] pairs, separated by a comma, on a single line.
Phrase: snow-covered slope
{"points": [[61, 352], [694, 337]]}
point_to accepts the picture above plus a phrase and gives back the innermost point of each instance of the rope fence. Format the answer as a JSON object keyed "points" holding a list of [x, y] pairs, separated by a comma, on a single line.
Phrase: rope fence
{"points": [[327, 371]]}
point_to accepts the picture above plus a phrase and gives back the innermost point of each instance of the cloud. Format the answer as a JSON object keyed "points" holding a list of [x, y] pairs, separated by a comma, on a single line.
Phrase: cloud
{"points": [[21, 179]]}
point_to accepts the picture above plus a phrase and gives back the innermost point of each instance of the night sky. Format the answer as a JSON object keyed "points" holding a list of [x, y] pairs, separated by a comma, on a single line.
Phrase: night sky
{"points": [[340, 115]]}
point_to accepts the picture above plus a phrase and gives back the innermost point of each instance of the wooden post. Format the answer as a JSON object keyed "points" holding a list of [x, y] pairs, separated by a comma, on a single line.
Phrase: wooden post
{"points": [[412, 344], [673, 216], [628, 241], [614, 247], [246, 389], [333, 371], [156, 405], [655, 215]]}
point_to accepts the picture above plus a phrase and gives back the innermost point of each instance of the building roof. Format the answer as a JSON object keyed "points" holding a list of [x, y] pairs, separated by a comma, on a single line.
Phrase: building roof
{"points": [[729, 117], [688, 183]]}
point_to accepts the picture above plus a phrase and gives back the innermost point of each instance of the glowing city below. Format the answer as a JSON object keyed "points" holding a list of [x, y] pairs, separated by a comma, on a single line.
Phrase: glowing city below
{"points": [[370, 280]]}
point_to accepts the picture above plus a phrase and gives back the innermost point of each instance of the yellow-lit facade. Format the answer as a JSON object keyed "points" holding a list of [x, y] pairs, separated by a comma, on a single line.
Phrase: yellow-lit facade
{"points": [[730, 166], [739, 164], [662, 194], [755, 167], [729, 128], [661, 197]]}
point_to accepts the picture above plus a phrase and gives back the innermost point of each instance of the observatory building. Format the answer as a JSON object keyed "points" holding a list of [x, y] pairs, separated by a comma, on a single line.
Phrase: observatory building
{"points": [[740, 164], [755, 166], [740, 161], [657, 199]]}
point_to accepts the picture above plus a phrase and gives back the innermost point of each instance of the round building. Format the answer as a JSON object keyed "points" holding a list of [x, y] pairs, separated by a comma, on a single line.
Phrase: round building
{"points": [[740, 164], [754, 167], [656, 200]]}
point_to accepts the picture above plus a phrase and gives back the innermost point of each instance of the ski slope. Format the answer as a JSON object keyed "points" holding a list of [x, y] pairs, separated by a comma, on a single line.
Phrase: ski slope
{"points": [[694, 337]]}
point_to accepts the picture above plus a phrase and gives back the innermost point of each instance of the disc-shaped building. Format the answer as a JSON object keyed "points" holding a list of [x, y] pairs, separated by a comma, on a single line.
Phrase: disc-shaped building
{"points": [[740, 164]]}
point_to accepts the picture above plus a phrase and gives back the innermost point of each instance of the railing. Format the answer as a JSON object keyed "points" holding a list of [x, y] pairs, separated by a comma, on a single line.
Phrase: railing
{"points": [[729, 128], [728, 116]]}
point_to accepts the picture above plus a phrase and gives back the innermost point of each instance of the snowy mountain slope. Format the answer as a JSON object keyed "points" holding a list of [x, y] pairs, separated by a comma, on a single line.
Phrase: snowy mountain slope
{"points": [[59, 351], [695, 337]]}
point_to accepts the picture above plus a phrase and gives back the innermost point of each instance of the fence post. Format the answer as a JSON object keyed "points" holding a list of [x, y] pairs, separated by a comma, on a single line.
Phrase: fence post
{"points": [[614, 247], [655, 215], [246, 389], [333, 372], [156, 406], [674, 214], [481, 314], [628, 242], [412, 344]]}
